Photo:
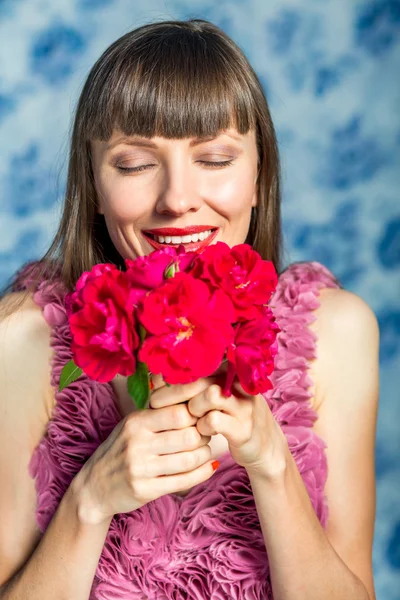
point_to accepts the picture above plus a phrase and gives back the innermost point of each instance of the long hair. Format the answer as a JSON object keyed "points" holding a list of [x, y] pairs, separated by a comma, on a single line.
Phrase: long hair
{"points": [[172, 79]]}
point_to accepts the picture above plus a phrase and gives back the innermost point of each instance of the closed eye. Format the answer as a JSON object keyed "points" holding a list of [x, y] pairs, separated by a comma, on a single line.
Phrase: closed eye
{"points": [[213, 165], [223, 163]]}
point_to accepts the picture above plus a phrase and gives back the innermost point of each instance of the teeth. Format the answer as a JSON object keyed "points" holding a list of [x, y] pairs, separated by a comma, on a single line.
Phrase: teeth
{"points": [[186, 239]]}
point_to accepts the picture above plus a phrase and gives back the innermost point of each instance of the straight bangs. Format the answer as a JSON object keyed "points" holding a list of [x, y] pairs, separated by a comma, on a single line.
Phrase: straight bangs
{"points": [[175, 85]]}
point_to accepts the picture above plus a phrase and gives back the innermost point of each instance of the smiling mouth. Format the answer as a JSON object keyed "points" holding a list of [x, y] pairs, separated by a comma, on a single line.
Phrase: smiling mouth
{"points": [[192, 243]]}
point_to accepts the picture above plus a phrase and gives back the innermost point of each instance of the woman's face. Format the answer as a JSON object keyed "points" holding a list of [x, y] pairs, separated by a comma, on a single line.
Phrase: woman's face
{"points": [[157, 184]]}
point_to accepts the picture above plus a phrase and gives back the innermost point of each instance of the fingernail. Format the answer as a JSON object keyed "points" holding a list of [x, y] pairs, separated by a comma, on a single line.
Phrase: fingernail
{"points": [[215, 464]]}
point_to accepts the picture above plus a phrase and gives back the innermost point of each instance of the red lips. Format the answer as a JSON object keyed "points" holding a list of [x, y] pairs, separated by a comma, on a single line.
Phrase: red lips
{"points": [[180, 231]]}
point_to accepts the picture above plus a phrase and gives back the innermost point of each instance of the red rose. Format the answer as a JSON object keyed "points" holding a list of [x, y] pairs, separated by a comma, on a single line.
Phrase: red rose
{"points": [[251, 356], [103, 331], [73, 300], [190, 329], [240, 271]]}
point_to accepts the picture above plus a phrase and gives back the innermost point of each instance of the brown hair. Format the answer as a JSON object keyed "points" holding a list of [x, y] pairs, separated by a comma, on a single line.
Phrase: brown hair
{"points": [[172, 79]]}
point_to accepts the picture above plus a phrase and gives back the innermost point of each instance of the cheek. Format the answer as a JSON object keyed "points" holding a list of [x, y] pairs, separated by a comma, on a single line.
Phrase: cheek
{"points": [[118, 200], [234, 195]]}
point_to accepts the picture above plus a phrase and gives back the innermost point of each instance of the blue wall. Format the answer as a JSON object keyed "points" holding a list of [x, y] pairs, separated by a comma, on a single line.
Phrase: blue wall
{"points": [[331, 73]]}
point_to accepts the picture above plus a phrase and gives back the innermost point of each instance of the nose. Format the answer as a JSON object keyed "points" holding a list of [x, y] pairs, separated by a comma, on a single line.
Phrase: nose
{"points": [[179, 194]]}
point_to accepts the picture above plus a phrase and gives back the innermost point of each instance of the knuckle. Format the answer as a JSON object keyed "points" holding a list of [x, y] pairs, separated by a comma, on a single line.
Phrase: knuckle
{"points": [[207, 452], [181, 415], [200, 457], [213, 418], [190, 462], [154, 401], [135, 469], [191, 436], [212, 393], [136, 487], [129, 427]]}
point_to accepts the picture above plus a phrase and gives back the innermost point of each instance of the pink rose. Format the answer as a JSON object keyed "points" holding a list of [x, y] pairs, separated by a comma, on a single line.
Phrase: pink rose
{"points": [[104, 336], [240, 271], [148, 272], [190, 329]]}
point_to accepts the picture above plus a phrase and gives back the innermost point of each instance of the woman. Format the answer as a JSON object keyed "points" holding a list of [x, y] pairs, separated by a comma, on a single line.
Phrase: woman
{"points": [[172, 130]]}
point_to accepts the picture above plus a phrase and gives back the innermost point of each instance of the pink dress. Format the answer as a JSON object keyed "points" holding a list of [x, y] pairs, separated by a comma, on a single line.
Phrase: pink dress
{"points": [[207, 545]]}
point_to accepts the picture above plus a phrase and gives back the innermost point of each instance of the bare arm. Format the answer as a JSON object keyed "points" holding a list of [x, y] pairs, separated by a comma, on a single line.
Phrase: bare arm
{"points": [[307, 562], [61, 564], [64, 563]]}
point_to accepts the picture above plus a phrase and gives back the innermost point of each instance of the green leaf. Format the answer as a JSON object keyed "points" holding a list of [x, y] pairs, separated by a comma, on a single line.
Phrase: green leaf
{"points": [[69, 374], [171, 270], [142, 332], [138, 385]]}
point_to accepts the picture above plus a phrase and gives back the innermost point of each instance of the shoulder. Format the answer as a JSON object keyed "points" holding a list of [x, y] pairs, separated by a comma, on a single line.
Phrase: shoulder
{"points": [[25, 360], [338, 312], [347, 338], [343, 323], [346, 327], [22, 324], [344, 310]]}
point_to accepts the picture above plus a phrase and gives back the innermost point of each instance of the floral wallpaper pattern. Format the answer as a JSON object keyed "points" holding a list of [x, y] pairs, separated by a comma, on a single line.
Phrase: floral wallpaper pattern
{"points": [[330, 70]]}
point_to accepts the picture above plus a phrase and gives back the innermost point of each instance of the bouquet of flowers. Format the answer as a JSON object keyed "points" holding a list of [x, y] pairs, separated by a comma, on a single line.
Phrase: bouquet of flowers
{"points": [[177, 313]]}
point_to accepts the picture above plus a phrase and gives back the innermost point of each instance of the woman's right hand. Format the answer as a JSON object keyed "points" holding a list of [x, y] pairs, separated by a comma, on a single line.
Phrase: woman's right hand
{"points": [[150, 453]]}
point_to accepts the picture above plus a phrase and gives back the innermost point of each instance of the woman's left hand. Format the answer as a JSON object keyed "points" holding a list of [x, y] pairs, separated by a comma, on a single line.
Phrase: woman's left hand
{"points": [[256, 441]]}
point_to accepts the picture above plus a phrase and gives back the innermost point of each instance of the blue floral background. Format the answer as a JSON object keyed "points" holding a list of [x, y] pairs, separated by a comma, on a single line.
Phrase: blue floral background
{"points": [[330, 70]]}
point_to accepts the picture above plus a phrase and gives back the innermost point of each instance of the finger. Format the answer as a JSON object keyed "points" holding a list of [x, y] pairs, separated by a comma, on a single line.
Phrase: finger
{"points": [[211, 398], [168, 442], [170, 484], [180, 462], [178, 393], [215, 421], [166, 418], [156, 381]]}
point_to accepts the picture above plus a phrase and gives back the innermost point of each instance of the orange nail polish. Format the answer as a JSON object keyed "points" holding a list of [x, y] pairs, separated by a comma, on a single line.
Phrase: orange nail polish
{"points": [[215, 464], [151, 385]]}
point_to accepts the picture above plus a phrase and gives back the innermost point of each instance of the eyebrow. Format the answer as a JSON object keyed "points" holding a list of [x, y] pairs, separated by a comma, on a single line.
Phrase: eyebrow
{"points": [[145, 142]]}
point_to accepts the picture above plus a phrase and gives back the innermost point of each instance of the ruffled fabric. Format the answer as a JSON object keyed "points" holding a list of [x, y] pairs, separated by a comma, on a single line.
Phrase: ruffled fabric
{"points": [[207, 544]]}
